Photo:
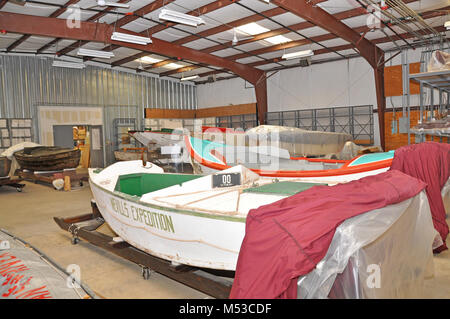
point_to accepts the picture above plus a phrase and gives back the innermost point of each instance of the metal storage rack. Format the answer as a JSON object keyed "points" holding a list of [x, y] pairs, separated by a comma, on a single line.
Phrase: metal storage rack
{"points": [[354, 120], [14, 131], [433, 81]]}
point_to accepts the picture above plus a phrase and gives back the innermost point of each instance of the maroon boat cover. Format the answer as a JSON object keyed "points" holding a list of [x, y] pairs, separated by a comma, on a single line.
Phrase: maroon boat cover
{"points": [[429, 162], [286, 239]]}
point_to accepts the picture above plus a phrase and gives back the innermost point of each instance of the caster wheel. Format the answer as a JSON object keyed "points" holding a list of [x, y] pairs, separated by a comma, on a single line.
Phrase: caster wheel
{"points": [[145, 273], [75, 241]]}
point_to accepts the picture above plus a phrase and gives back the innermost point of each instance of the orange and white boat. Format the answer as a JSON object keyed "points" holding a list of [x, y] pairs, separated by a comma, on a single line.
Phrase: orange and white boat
{"points": [[208, 157]]}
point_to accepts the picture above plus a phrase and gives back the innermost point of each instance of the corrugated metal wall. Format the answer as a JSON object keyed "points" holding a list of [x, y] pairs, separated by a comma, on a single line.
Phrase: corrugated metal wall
{"points": [[27, 81]]}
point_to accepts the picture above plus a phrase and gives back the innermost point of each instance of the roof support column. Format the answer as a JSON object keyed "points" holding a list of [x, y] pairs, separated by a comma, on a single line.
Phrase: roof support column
{"points": [[381, 98]]}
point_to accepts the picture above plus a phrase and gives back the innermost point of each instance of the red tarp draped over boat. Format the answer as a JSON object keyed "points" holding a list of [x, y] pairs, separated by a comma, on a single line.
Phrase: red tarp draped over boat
{"points": [[286, 239], [429, 162]]}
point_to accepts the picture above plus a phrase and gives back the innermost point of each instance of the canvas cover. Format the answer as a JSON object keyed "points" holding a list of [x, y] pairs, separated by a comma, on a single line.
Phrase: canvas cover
{"points": [[439, 61], [25, 274], [429, 162], [382, 238], [287, 239], [300, 142]]}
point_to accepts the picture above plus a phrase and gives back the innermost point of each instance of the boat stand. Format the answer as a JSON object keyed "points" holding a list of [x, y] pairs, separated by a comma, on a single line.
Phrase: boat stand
{"points": [[12, 183], [208, 281], [49, 177]]}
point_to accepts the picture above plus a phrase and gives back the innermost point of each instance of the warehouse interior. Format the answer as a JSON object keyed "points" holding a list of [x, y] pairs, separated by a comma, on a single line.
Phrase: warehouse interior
{"points": [[215, 149]]}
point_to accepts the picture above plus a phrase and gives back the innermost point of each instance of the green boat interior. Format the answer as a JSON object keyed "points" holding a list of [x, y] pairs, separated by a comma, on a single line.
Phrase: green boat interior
{"points": [[143, 183], [282, 188]]}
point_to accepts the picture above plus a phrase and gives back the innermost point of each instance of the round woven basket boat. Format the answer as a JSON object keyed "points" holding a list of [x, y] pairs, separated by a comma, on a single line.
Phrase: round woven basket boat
{"points": [[48, 158]]}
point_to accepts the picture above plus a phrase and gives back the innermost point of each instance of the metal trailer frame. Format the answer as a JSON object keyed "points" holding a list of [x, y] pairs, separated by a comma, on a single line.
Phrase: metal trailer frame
{"points": [[208, 281], [7, 181]]}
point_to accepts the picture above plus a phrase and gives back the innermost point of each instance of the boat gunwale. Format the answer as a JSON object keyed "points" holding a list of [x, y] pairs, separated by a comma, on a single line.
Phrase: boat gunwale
{"points": [[136, 199]]}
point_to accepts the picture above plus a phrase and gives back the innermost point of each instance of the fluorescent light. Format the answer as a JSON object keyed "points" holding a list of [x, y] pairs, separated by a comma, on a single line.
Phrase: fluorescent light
{"points": [[179, 17], [252, 28], [447, 25], [300, 54], [173, 66], [190, 78], [148, 59], [278, 39], [125, 37], [95, 53], [67, 64]]}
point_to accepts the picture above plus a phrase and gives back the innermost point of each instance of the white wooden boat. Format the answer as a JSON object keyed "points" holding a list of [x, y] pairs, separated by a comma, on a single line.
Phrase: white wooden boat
{"points": [[188, 219], [195, 220]]}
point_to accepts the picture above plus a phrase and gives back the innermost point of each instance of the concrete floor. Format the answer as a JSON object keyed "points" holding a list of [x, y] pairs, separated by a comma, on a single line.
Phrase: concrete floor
{"points": [[29, 215]]}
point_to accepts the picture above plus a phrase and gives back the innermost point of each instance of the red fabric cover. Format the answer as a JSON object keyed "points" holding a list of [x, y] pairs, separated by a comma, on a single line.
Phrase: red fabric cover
{"points": [[429, 162], [286, 239]]}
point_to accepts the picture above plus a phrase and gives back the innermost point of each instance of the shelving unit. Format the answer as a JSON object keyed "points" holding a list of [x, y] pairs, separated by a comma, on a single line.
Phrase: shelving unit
{"points": [[433, 81], [14, 131]]}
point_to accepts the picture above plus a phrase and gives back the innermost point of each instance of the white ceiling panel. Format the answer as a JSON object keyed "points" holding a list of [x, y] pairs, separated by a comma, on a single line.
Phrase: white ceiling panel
{"points": [[268, 66], [249, 60], [287, 19], [226, 52], [170, 35], [31, 8], [335, 6], [139, 25], [7, 39], [199, 44], [359, 21], [313, 32], [252, 46]]}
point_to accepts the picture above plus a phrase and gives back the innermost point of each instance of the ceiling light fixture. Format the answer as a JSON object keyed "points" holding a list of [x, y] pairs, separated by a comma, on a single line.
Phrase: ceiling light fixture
{"points": [[179, 17], [148, 59], [278, 39], [67, 64], [95, 53], [125, 37], [299, 54], [190, 78], [252, 28]]}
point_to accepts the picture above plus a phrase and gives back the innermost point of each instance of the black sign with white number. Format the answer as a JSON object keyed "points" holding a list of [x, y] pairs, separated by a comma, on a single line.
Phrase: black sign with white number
{"points": [[226, 180]]}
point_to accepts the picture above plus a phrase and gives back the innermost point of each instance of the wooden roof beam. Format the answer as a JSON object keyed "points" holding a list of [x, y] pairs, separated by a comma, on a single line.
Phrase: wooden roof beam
{"points": [[27, 36], [155, 5], [210, 7], [95, 17]]}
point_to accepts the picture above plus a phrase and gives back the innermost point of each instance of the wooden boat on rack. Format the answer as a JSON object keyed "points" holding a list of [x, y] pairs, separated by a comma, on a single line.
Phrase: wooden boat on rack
{"points": [[48, 158], [130, 154]]}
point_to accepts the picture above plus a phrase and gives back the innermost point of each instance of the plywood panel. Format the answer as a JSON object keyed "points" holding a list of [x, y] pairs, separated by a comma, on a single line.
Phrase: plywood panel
{"points": [[394, 141], [201, 113], [393, 83]]}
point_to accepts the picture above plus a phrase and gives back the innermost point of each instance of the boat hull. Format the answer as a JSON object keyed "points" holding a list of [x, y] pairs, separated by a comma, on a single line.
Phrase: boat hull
{"points": [[5, 166], [43, 158], [209, 158], [127, 156], [182, 237]]}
